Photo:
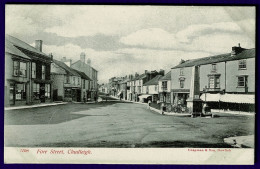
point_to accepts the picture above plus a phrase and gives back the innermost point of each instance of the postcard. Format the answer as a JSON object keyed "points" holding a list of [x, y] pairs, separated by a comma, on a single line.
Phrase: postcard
{"points": [[119, 84]]}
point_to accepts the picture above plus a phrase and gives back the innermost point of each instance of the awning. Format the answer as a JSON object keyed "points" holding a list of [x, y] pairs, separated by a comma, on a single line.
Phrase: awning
{"points": [[210, 97], [145, 96], [238, 98], [229, 98]]}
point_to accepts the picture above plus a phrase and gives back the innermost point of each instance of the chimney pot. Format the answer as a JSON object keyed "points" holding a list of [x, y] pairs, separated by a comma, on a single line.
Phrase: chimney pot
{"points": [[82, 57]]}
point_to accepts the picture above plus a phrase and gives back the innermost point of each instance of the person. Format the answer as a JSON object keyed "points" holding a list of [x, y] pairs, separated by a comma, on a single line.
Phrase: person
{"points": [[149, 103], [95, 98]]}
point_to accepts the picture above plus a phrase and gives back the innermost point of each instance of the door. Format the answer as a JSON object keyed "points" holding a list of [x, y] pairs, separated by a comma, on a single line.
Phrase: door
{"points": [[78, 95], [42, 92], [55, 95]]}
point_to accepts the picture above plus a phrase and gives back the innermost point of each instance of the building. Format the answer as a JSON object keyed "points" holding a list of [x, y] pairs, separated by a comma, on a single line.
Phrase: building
{"points": [[123, 88], [103, 88], [151, 88], [27, 73], [165, 90], [66, 82], [228, 79], [92, 73]]}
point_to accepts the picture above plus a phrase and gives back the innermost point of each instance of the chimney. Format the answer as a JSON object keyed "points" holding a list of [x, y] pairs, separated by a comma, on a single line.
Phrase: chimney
{"points": [[63, 59], [82, 57], [161, 72], [51, 56], [38, 45], [89, 62], [136, 74], [236, 50], [145, 71]]}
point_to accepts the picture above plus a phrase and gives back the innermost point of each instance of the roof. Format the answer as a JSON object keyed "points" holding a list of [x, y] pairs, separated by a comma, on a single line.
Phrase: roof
{"points": [[167, 76], [83, 75], [153, 81], [10, 48], [245, 54], [84, 63], [22, 45], [69, 70], [124, 81]]}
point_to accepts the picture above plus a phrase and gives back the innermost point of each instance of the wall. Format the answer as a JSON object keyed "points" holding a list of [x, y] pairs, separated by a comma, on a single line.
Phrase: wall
{"points": [[58, 83], [175, 75], [206, 69], [233, 72], [152, 89], [168, 86]]}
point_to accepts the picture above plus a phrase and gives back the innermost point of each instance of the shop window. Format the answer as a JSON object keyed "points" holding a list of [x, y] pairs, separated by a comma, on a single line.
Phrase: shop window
{"points": [[241, 81], [36, 90], [19, 69], [20, 93], [168, 98], [67, 93], [33, 70], [47, 91], [43, 71], [214, 82], [242, 64]]}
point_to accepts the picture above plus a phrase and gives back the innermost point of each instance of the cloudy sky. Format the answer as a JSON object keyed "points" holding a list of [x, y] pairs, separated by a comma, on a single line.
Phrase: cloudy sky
{"points": [[121, 40]]}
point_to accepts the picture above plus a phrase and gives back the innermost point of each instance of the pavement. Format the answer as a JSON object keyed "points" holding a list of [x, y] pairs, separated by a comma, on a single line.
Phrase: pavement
{"points": [[118, 124], [33, 106]]}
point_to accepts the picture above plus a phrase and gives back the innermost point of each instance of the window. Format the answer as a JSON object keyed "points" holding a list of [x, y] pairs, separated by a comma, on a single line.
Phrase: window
{"points": [[241, 81], [74, 80], [242, 64], [67, 79], [47, 90], [181, 71], [78, 81], [19, 69], [181, 83], [164, 85], [36, 90], [43, 71], [214, 82], [67, 93], [33, 70], [155, 87], [84, 84], [213, 68], [147, 89], [20, 93]]}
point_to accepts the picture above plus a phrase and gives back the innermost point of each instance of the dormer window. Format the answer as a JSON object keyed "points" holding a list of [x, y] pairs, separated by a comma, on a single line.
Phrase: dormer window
{"points": [[242, 64], [181, 72], [213, 68]]}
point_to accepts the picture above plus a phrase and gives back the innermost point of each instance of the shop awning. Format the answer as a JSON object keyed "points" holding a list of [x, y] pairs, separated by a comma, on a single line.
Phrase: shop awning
{"points": [[229, 98], [238, 98], [210, 97], [145, 96]]}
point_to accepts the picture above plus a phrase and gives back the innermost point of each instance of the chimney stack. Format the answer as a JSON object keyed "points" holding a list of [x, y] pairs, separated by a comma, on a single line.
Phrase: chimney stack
{"points": [[51, 56], [89, 62], [82, 57], [236, 50], [38, 45]]}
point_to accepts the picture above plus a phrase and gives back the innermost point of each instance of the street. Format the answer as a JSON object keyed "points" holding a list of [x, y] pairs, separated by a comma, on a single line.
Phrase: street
{"points": [[118, 124]]}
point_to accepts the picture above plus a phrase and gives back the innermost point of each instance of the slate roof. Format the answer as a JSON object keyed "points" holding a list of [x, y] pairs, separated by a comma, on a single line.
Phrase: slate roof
{"points": [[26, 48], [153, 81], [83, 75], [84, 63], [10, 48], [167, 76], [69, 70], [248, 53]]}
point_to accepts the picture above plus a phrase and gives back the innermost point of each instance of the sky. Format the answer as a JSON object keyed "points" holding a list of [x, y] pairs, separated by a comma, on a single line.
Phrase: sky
{"points": [[122, 40]]}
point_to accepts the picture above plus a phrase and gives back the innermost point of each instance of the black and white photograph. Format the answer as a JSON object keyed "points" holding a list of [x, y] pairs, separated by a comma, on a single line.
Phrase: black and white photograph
{"points": [[99, 83]]}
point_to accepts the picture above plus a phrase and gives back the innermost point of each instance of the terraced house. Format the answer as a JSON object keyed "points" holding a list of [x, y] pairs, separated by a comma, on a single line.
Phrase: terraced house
{"points": [[225, 81], [92, 73], [27, 73]]}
